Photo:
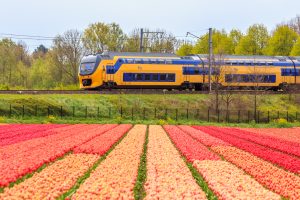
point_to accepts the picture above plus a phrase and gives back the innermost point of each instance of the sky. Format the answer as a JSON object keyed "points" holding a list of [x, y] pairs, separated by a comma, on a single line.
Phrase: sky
{"points": [[52, 17]]}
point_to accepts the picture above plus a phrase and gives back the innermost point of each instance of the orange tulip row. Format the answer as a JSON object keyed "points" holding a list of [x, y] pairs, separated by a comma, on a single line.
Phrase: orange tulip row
{"points": [[290, 134], [282, 182], [45, 150], [115, 177], [167, 175], [54, 180], [229, 182]]}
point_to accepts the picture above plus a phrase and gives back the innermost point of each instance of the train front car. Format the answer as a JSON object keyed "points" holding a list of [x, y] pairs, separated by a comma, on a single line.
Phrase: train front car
{"points": [[89, 74]]}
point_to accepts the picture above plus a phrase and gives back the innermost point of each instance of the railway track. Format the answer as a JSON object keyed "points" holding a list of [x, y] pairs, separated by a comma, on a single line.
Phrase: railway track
{"points": [[134, 91]]}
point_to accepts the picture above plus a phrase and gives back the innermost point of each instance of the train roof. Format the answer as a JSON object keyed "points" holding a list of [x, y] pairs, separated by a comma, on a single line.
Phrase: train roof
{"points": [[110, 55]]}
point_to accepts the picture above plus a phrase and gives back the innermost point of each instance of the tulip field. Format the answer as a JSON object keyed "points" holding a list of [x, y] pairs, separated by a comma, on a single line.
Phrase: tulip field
{"points": [[124, 161]]}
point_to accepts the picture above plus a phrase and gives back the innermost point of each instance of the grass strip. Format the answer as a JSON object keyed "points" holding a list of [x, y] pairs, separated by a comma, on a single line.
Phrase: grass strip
{"points": [[139, 189], [81, 179], [29, 175], [197, 176]]}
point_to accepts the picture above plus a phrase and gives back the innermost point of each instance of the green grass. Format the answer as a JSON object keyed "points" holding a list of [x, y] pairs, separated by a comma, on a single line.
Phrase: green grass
{"points": [[139, 190]]}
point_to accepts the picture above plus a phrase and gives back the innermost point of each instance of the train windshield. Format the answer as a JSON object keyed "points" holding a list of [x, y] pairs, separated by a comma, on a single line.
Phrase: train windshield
{"points": [[89, 64], [87, 68]]}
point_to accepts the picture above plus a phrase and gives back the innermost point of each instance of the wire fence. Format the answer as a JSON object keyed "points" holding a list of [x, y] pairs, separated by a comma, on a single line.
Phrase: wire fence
{"points": [[209, 115]]}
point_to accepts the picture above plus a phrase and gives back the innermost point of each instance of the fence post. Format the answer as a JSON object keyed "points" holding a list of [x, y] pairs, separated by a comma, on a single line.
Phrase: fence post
{"points": [[36, 110], [208, 115], [48, 111], [176, 114], [258, 113], [228, 121], [277, 114], [187, 113], [144, 113], [10, 110], [61, 112], [166, 113], [73, 111], [121, 111], [248, 116], [268, 116], [239, 115], [109, 112], [296, 115], [132, 113], [287, 115], [154, 113], [198, 114], [23, 111], [218, 113], [98, 112]]}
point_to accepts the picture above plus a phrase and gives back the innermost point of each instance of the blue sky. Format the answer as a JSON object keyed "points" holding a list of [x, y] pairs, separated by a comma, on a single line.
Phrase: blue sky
{"points": [[52, 17]]}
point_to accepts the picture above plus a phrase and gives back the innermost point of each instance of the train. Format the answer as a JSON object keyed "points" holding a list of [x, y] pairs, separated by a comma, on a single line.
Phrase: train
{"points": [[124, 70]]}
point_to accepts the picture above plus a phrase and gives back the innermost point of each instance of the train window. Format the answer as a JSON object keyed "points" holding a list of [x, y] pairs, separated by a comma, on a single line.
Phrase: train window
{"points": [[155, 77], [171, 77], [197, 70], [162, 77], [147, 77], [139, 77]]}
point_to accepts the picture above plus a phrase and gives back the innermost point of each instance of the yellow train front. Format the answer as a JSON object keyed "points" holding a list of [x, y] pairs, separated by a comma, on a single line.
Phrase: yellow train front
{"points": [[168, 71]]}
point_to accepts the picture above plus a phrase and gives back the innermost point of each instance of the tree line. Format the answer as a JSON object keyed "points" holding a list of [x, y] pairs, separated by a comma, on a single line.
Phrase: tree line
{"points": [[57, 67]]}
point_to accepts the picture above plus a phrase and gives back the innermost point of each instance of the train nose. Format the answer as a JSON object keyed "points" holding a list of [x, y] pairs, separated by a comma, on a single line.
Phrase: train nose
{"points": [[87, 82]]}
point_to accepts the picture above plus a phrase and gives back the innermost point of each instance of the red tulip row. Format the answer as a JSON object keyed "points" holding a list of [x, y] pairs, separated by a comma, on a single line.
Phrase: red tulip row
{"points": [[278, 144], [278, 180], [284, 160], [229, 182], [101, 144], [290, 134], [22, 163], [54, 180], [25, 129], [33, 133], [115, 177], [202, 137], [188, 146], [13, 127], [167, 174], [37, 143]]}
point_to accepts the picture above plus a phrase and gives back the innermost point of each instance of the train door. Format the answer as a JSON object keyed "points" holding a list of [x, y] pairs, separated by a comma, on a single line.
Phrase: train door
{"points": [[110, 75]]}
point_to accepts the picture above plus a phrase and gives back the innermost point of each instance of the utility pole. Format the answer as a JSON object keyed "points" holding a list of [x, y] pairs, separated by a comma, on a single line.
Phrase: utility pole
{"points": [[142, 37], [141, 40], [210, 57]]}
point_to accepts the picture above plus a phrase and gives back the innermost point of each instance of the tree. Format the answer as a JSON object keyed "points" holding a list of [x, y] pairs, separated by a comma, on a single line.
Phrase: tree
{"points": [[100, 36], [222, 44], [282, 41], [235, 36], [295, 24], [66, 54], [254, 42], [185, 49], [40, 51], [296, 48]]}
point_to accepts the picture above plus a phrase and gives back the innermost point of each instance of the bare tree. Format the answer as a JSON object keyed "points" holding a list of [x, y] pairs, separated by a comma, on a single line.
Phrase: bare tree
{"points": [[67, 51]]}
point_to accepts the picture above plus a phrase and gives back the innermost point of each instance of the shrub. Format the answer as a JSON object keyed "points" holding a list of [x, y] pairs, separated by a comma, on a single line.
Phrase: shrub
{"points": [[282, 123]]}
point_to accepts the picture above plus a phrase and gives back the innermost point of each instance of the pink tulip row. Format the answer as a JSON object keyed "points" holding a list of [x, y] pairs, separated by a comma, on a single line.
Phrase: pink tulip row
{"points": [[25, 129], [167, 174], [278, 180], [229, 182], [202, 137], [284, 160], [115, 177], [37, 143], [31, 134], [51, 149], [54, 180], [287, 134], [188, 146], [101, 144], [278, 144]]}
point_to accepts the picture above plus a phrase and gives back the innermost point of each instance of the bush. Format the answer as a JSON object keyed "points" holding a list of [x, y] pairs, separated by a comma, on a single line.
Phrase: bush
{"points": [[162, 122], [282, 123]]}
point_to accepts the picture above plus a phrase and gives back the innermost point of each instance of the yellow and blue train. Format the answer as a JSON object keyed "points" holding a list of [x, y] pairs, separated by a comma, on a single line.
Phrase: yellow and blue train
{"points": [[168, 71]]}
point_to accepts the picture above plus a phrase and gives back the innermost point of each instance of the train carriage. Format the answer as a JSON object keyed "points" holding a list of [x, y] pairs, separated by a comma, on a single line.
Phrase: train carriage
{"points": [[168, 71]]}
